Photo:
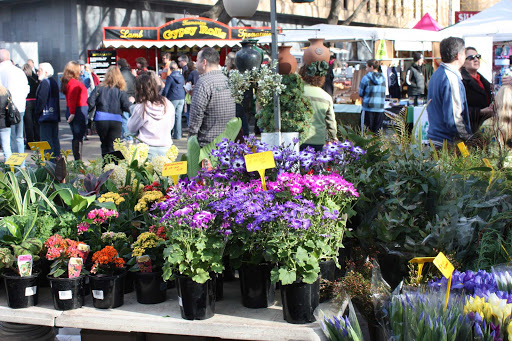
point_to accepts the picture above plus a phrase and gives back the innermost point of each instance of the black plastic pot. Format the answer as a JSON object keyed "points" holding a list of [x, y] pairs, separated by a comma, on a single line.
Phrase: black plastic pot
{"points": [[197, 301], [300, 301], [128, 282], [219, 286], [67, 292], [257, 289], [107, 291], [150, 287], [327, 270], [22, 292]]}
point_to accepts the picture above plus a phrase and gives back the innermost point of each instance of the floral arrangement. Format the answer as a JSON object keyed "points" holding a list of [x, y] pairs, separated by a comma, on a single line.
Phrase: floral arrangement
{"points": [[61, 250], [264, 79], [106, 261], [230, 163], [340, 328], [157, 162], [147, 244], [195, 242], [147, 198], [116, 198], [131, 151]]}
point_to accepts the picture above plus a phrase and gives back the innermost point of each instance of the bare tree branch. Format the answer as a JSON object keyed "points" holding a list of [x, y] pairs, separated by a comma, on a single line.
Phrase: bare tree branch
{"points": [[217, 12], [334, 13], [351, 18]]}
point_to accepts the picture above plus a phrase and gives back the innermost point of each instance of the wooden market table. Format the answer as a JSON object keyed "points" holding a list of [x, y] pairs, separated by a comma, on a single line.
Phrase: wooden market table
{"points": [[231, 320]]}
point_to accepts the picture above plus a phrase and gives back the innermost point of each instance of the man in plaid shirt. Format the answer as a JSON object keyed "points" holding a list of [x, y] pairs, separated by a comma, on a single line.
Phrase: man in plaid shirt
{"points": [[212, 105]]}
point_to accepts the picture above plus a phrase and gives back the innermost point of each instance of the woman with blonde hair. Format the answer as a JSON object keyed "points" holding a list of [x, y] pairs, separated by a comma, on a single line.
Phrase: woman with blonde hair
{"points": [[5, 129], [110, 101], [76, 102], [503, 118], [152, 117]]}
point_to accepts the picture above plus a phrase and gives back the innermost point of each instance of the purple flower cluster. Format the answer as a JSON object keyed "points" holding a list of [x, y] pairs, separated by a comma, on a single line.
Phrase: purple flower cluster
{"points": [[480, 283], [231, 163]]}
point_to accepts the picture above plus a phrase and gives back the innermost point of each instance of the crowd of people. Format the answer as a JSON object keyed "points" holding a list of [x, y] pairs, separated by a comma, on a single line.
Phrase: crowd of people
{"points": [[150, 105]]}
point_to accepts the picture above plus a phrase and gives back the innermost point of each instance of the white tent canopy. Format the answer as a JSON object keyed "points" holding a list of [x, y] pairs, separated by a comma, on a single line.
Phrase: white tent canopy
{"points": [[496, 21], [420, 39]]}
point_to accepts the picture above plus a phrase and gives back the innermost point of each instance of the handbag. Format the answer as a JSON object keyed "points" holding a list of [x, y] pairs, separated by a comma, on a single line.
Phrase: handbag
{"points": [[50, 113], [12, 114]]}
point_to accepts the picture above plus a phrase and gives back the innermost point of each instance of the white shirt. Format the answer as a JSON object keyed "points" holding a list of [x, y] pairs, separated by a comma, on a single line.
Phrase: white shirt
{"points": [[15, 80]]}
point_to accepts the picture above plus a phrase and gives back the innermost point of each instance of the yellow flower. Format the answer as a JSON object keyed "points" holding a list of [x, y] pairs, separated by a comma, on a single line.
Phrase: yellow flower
{"points": [[111, 197], [146, 240], [509, 331], [147, 197]]}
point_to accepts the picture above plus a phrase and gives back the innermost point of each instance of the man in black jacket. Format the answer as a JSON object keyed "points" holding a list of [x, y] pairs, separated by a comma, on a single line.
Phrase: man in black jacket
{"points": [[478, 90], [415, 79], [129, 78]]}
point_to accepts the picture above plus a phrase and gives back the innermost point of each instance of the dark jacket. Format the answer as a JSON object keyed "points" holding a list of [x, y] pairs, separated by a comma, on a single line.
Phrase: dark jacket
{"points": [[174, 86], [48, 93], [129, 78], [417, 80], [477, 98], [110, 103], [3, 105], [329, 78], [33, 82], [193, 76]]}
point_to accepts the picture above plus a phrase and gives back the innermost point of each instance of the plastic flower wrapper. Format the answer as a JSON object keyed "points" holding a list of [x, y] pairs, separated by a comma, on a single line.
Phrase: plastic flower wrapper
{"points": [[339, 320], [503, 276], [381, 298]]}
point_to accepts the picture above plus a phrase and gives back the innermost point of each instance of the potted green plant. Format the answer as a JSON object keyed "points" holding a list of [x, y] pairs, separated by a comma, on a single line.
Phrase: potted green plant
{"points": [[66, 272], [194, 248], [296, 113], [147, 262], [107, 278]]}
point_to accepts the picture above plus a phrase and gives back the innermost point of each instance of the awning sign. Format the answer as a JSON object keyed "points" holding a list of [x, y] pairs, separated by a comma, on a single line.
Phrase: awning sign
{"points": [[127, 33], [184, 29], [194, 29]]}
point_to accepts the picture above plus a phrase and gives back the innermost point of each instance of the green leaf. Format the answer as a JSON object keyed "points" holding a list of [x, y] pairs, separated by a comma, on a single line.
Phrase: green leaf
{"points": [[301, 256], [287, 276], [201, 276]]}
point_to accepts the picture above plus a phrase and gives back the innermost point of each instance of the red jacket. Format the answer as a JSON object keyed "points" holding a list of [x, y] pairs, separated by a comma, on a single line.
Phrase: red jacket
{"points": [[76, 95], [95, 79]]}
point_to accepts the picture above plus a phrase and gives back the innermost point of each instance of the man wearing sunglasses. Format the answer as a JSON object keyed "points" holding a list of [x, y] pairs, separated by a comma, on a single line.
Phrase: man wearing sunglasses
{"points": [[478, 90]]}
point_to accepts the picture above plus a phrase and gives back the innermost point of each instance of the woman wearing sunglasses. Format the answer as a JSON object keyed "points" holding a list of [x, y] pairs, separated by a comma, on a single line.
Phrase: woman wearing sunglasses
{"points": [[478, 90]]}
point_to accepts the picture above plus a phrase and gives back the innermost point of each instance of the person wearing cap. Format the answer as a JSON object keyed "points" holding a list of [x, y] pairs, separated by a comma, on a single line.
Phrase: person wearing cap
{"points": [[415, 79], [478, 90]]}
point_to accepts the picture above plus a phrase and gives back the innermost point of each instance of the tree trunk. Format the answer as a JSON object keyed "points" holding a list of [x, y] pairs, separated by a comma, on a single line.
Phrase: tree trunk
{"points": [[217, 12], [334, 14], [351, 18]]}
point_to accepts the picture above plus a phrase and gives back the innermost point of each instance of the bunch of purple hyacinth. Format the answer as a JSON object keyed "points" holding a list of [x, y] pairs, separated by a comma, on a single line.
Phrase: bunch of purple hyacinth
{"points": [[469, 282], [340, 328]]}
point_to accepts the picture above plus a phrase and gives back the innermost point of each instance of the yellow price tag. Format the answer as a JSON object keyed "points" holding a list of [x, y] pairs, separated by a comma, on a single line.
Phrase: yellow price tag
{"points": [[16, 159], [488, 164], [174, 170], [259, 162], [40, 146], [444, 265], [463, 149], [421, 261]]}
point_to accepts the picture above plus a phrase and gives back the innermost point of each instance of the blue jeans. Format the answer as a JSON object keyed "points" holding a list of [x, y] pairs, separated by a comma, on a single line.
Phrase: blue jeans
{"points": [[49, 131], [5, 140], [157, 151], [178, 108], [78, 126], [17, 140], [125, 135]]}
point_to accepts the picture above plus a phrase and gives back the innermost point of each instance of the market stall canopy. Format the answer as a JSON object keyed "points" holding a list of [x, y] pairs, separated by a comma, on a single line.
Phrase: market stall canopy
{"points": [[496, 21], [427, 23], [406, 39], [182, 32]]}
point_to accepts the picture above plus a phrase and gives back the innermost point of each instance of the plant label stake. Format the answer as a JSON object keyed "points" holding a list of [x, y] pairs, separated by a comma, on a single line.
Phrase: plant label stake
{"points": [[40, 146], [463, 149], [443, 264], [421, 261], [174, 170], [488, 164], [16, 159], [260, 162]]}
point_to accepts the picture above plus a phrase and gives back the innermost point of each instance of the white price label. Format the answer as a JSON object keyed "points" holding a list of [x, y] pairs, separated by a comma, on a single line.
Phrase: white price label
{"points": [[65, 295], [30, 291], [98, 294]]}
